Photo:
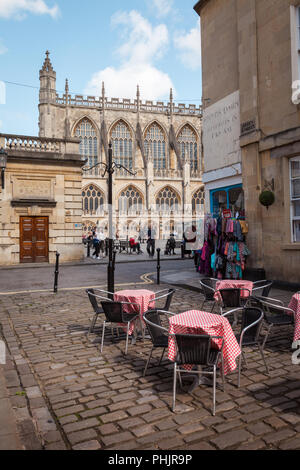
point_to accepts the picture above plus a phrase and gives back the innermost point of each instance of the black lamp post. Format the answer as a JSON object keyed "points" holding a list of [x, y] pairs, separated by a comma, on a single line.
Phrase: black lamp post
{"points": [[110, 168], [3, 162]]}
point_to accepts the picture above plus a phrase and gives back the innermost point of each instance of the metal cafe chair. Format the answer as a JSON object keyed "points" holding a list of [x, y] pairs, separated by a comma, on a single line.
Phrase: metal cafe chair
{"points": [[262, 287], [252, 319], [98, 310], [115, 315], [275, 314], [164, 294], [158, 333], [208, 288], [231, 298], [198, 350]]}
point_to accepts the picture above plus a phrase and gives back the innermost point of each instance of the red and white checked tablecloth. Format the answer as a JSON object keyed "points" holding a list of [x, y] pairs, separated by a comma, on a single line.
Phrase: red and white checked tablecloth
{"points": [[144, 298], [295, 306], [196, 322], [233, 284]]}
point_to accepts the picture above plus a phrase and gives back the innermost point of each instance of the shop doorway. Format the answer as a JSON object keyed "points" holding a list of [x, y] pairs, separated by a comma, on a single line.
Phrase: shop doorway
{"points": [[34, 240]]}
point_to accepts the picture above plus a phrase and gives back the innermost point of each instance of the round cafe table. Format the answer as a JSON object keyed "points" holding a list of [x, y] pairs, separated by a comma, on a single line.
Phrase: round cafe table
{"points": [[295, 306], [197, 322], [143, 300]]}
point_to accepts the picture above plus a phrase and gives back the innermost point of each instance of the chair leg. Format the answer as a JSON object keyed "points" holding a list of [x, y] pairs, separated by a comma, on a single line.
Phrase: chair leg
{"points": [[103, 333], [93, 324], [266, 337], [214, 389], [264, 359], [174, 386], [127, 334], [239, 371], [162, 357], [223, 374], [147, 363]]}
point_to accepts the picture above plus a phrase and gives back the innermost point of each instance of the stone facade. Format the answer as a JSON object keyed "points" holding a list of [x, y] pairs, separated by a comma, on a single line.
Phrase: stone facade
{"points": [[102, 119], [43, 180], [250, 47]]}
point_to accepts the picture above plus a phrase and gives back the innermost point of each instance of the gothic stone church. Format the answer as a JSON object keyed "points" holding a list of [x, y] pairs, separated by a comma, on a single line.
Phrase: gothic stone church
{"points": [[53, 189], [160, 143]]}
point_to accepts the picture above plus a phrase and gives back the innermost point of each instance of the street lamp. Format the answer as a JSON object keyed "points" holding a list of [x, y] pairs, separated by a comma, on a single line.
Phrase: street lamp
{"points": [[3, 162], [110, 168]]}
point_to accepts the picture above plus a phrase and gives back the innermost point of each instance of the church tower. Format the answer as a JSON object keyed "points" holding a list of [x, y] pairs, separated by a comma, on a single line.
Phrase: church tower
{"points": [[47, 97]]}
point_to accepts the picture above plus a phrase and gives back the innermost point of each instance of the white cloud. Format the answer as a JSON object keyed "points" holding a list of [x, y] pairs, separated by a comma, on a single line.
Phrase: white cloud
{"points": [[189, 47], [162, 7], [142, 44], [18, 8], [122, 82]]}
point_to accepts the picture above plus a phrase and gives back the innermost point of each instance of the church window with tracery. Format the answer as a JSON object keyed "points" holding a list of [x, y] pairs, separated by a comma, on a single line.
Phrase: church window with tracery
{"points": [[89, 143], [167, 201], [155, 146], [130, 201], [122, 145], [92, 201], [187, 140], [198, 201]]}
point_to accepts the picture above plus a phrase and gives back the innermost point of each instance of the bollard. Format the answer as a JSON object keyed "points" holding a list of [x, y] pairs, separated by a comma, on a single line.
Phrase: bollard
{"points": [[114, 259], [158, 266], [56, 272], [88, 249], [182, 251]]}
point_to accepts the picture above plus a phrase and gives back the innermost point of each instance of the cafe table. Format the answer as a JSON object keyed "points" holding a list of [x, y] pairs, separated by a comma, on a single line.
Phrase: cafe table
{"points": [[142, 301], [295, 306], [204, 323]]}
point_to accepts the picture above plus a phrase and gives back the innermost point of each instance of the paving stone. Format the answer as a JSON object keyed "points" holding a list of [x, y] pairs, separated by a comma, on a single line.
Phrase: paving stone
{"points": [[90, 445], [278, 436], [230, 439], [86, 423], [80, 436]]}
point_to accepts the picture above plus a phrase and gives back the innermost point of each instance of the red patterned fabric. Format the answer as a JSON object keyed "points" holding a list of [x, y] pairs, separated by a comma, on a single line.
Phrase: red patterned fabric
{"points": [[295, 306], [144, 298], [196, 322], [233, 284]]}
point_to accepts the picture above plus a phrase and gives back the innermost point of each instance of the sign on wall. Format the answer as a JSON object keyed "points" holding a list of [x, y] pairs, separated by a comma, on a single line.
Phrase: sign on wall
{"points": [[221, 133]]}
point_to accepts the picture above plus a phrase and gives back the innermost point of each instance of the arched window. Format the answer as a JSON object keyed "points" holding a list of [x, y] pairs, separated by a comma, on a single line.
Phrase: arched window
{"points": [[92, 201], [187, 140], [155, 145], [167, 201], [122, 145], [130, 201], [89, 143], [198, 201]]}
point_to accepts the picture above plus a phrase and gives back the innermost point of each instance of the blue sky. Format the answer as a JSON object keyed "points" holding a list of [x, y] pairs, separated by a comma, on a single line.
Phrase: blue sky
{"points": [[155, 43]]}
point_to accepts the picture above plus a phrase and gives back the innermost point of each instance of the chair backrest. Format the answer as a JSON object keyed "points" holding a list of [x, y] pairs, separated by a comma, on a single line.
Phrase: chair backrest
{"points": [[271, 309], [193, 349], [265, 286], [113, 311], [169, 300], [207, 285], [231, 297], [93, 300], [153, 321], [250, 315]]}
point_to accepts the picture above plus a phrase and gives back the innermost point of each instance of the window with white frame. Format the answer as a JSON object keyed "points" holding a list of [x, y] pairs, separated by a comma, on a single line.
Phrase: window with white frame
{"points": [[295, 198]]}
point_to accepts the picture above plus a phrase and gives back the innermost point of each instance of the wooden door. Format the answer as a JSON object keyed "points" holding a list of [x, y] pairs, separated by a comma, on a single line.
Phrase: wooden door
{"points": [[34, 240]]}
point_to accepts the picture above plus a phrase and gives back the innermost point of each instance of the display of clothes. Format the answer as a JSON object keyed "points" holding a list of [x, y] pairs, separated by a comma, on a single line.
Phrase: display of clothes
{"points": [[224, 253]]}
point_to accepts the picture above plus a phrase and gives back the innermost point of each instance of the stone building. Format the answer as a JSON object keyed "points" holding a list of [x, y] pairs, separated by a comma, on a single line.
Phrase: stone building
{"points": [[40, 200], [250, 67], [160, 143]]}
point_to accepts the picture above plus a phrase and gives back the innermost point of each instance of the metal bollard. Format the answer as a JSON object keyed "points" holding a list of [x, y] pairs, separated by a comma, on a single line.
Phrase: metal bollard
{"points": [[158, 266], [56, 272], [88, 249], [182, 251]]}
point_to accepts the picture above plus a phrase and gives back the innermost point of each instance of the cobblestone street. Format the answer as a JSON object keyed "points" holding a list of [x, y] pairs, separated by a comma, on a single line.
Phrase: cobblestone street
{"points": [[65, 395]]}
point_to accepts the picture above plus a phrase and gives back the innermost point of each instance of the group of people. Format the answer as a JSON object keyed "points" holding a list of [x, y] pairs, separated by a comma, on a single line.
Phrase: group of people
{"points": [[97, 241]]}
